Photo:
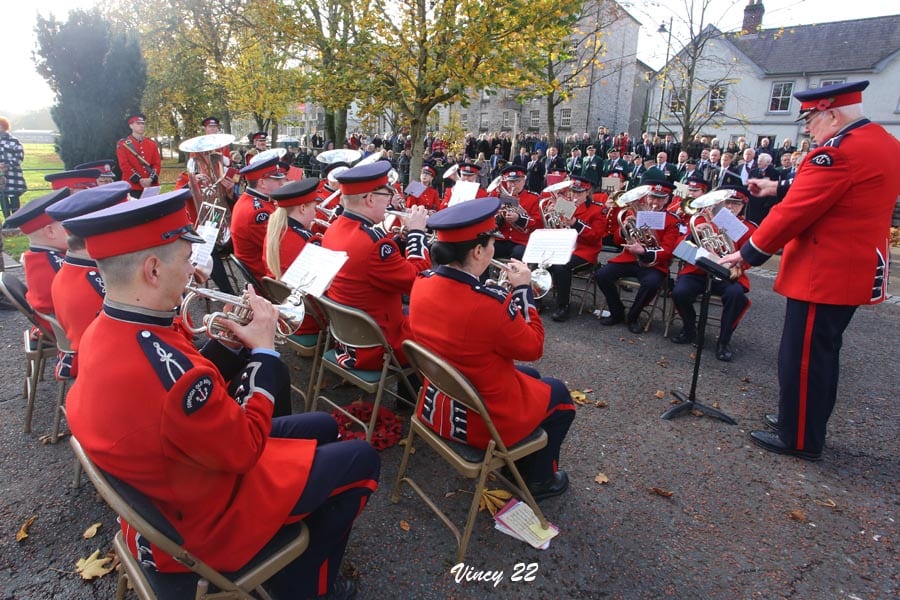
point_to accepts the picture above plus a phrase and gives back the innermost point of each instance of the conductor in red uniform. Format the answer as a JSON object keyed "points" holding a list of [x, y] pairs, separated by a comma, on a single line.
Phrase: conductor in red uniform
{"points": [[833, 224], [376, 274], [250, 215], [138, 157], [224, 473], [481, 331]]}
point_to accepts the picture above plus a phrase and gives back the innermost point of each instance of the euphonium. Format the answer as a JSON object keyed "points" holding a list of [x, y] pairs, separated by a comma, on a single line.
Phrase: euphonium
{"points": [[291, 314], [551, 218], [704, 231], [541, 280], [627, 218]]}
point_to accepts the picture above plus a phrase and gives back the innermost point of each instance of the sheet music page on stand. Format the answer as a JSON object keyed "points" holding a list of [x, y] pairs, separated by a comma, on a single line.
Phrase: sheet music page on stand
{"points": [[463, 191], [552, 246], [314, 269], [654, 219], [729, 223], [415, 188], [201, 254]]}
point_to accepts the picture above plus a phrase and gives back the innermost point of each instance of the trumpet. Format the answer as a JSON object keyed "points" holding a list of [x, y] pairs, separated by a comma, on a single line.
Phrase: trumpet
{"points": [[291, 314], [541, 280]]}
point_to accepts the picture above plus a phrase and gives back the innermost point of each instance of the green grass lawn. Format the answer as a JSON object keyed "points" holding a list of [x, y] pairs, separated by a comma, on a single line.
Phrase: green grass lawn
{"points": [[41, 159]]}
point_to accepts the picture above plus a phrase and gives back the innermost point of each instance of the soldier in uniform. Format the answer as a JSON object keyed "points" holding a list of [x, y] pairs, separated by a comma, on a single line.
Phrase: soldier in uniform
{"points": [[376, 274], [138, 157], [615, 164], [481, 332], [165, 421], [650, 266], [519, 215], [591, 167], [692, 281], [46, 249], [429, 198], [589, 221], [259, 140], [250, 215], [78, 289], [826, 271]]}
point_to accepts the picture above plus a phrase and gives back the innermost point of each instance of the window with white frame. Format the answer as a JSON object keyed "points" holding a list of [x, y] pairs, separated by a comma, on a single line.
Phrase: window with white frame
{"points": [[535, 118], [676, 101], [464, 120], [483, 123], [827, 82], [506, 118], [780, 101], [716, 100], [565, 117]]}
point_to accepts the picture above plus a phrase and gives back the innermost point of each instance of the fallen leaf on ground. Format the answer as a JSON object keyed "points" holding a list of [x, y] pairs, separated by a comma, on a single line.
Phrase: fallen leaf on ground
{"points": [[798, 515], [827, 502], [493, 500], [23, 530], [663, 363], [46, 439], [743, 388], [91, 531], [601, 403], [601, 478], [93, 566], [589, 390], [661, 492], [745, 379], [696, 413], [578, 397], [660, 394], [404, 525], [715, 404]]}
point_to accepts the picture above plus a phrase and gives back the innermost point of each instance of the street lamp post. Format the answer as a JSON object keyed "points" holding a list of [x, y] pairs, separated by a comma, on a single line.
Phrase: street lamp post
{"points": [[662, 91]]}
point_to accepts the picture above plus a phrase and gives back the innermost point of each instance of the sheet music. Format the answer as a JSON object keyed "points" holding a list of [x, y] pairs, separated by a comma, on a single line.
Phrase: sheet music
{"points": [[150, 191], [314, 269], [518, 518], [415, 188], [730, 224], [611, 184], [565, 207], [201, 254], [551, 246], [681, 189], [654, 219], [463, 191]]}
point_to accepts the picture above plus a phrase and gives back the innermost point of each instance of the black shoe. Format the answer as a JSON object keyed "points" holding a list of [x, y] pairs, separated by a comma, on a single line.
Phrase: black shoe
{"points": [[341, 589], [561, 314], [554, 486], [612, 319], [770, 441], [771, 421], [724, 353], [685, 337], [635, 327]]}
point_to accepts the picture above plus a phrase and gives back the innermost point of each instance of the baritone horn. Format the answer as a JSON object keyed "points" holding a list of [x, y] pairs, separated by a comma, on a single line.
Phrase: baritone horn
{"points": [[706, 234], [541, 280], [291, 314], [551, 217]]}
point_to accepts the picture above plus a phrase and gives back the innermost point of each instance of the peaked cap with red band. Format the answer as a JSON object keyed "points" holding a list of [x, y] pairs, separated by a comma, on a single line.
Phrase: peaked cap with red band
{"points": [[430, 170], [78, 179], [135, 225], [296, 193], [90, 200], [469, 169], [105, 166], [513, 172], [364, 179], [33, 215], [465, 221], [262, 169], [830, 96], [137, 117]]}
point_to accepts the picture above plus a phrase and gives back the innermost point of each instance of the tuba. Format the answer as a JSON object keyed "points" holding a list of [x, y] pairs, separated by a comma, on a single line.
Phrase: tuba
{"points": [[207, 169], [627, 219], [552, 219], [704, 231]]}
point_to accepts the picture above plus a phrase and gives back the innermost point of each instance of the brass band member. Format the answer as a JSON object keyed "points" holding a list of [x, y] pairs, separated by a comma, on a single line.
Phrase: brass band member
{"points": [[251, 212], [590, 223], [519, 215], [692, 281], [288, 229], [481, 332]]}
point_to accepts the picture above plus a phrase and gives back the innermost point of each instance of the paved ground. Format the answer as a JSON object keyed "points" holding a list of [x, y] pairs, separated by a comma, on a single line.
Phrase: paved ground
{"points": [[741, 523]]}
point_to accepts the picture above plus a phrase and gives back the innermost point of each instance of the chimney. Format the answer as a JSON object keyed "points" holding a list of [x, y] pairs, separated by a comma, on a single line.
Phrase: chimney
{"points": [[753, 16]]}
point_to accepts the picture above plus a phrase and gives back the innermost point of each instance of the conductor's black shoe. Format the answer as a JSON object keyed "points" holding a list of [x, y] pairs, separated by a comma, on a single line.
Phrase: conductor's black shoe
{"points": [[561, 314], [684, 337], [554, 486], [635, 327], [612, 319], [771, 421], [724, 353], [341, 589], [768, 440]]}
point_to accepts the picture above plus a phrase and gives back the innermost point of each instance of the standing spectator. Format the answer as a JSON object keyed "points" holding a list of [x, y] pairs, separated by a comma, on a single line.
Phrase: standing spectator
{"points": [[535, 177], [12, 182], [403, 167]]}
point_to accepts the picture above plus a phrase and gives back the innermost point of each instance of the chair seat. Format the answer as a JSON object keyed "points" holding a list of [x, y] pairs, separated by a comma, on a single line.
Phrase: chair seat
{"points": [[370, 377], [306, 341]]}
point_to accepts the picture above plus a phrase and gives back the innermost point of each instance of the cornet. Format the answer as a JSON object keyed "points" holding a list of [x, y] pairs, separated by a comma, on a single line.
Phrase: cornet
{"points": [[291, 314], [541, 280]]}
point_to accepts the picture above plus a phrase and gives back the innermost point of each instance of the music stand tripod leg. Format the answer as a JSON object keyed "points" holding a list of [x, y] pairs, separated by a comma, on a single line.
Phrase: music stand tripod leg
{"points": [[689, 403]]}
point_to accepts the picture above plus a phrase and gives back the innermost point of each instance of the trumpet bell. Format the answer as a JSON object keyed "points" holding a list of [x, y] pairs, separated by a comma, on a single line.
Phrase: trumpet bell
{"points": [[451, 171], [494, 184], [206, 143], [558, 186], [631, 196], [267, 154], [339, 155], [713, 198], [370, 159]]}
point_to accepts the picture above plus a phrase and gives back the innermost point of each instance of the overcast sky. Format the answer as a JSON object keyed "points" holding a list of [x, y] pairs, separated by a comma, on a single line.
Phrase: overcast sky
{"points": [[24, 90]]}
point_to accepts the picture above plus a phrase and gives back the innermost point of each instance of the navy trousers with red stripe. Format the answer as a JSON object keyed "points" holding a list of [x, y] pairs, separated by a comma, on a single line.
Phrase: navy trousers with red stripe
{"points": [[808, 369], [342, 477], [542, 465]]}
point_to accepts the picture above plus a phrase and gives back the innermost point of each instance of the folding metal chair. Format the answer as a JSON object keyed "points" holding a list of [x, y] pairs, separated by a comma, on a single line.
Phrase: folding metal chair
{"points": [[353, 327], [239, 274], [63, 346], [468, 461], [137, 510], [306, 345], [583, 283], [37, 350]]}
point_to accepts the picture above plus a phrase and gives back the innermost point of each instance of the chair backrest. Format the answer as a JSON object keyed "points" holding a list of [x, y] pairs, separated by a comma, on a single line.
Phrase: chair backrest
{"points": [[14, 290], [448, 380], [62, 341], [351, 326], [278, 292], [245, 273]]}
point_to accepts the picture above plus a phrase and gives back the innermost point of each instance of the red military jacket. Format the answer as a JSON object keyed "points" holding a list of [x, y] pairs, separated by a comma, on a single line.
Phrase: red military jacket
{"points": [[294, 239], [530, 202], [161, 419], [480, 330], [429, 199], [743, 279], [374, 278], [834, 223], [41, 265], [658, 259], [78, 293], [132, 168], [591, 227], [249, 221]]}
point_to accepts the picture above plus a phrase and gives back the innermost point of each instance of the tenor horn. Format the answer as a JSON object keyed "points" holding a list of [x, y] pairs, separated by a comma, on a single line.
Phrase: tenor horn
{"points": [[541, 280], [291, 314]]}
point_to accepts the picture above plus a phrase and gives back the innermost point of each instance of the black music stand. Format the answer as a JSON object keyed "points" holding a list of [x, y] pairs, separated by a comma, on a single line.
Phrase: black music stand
{"points": [[689, 402]]}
